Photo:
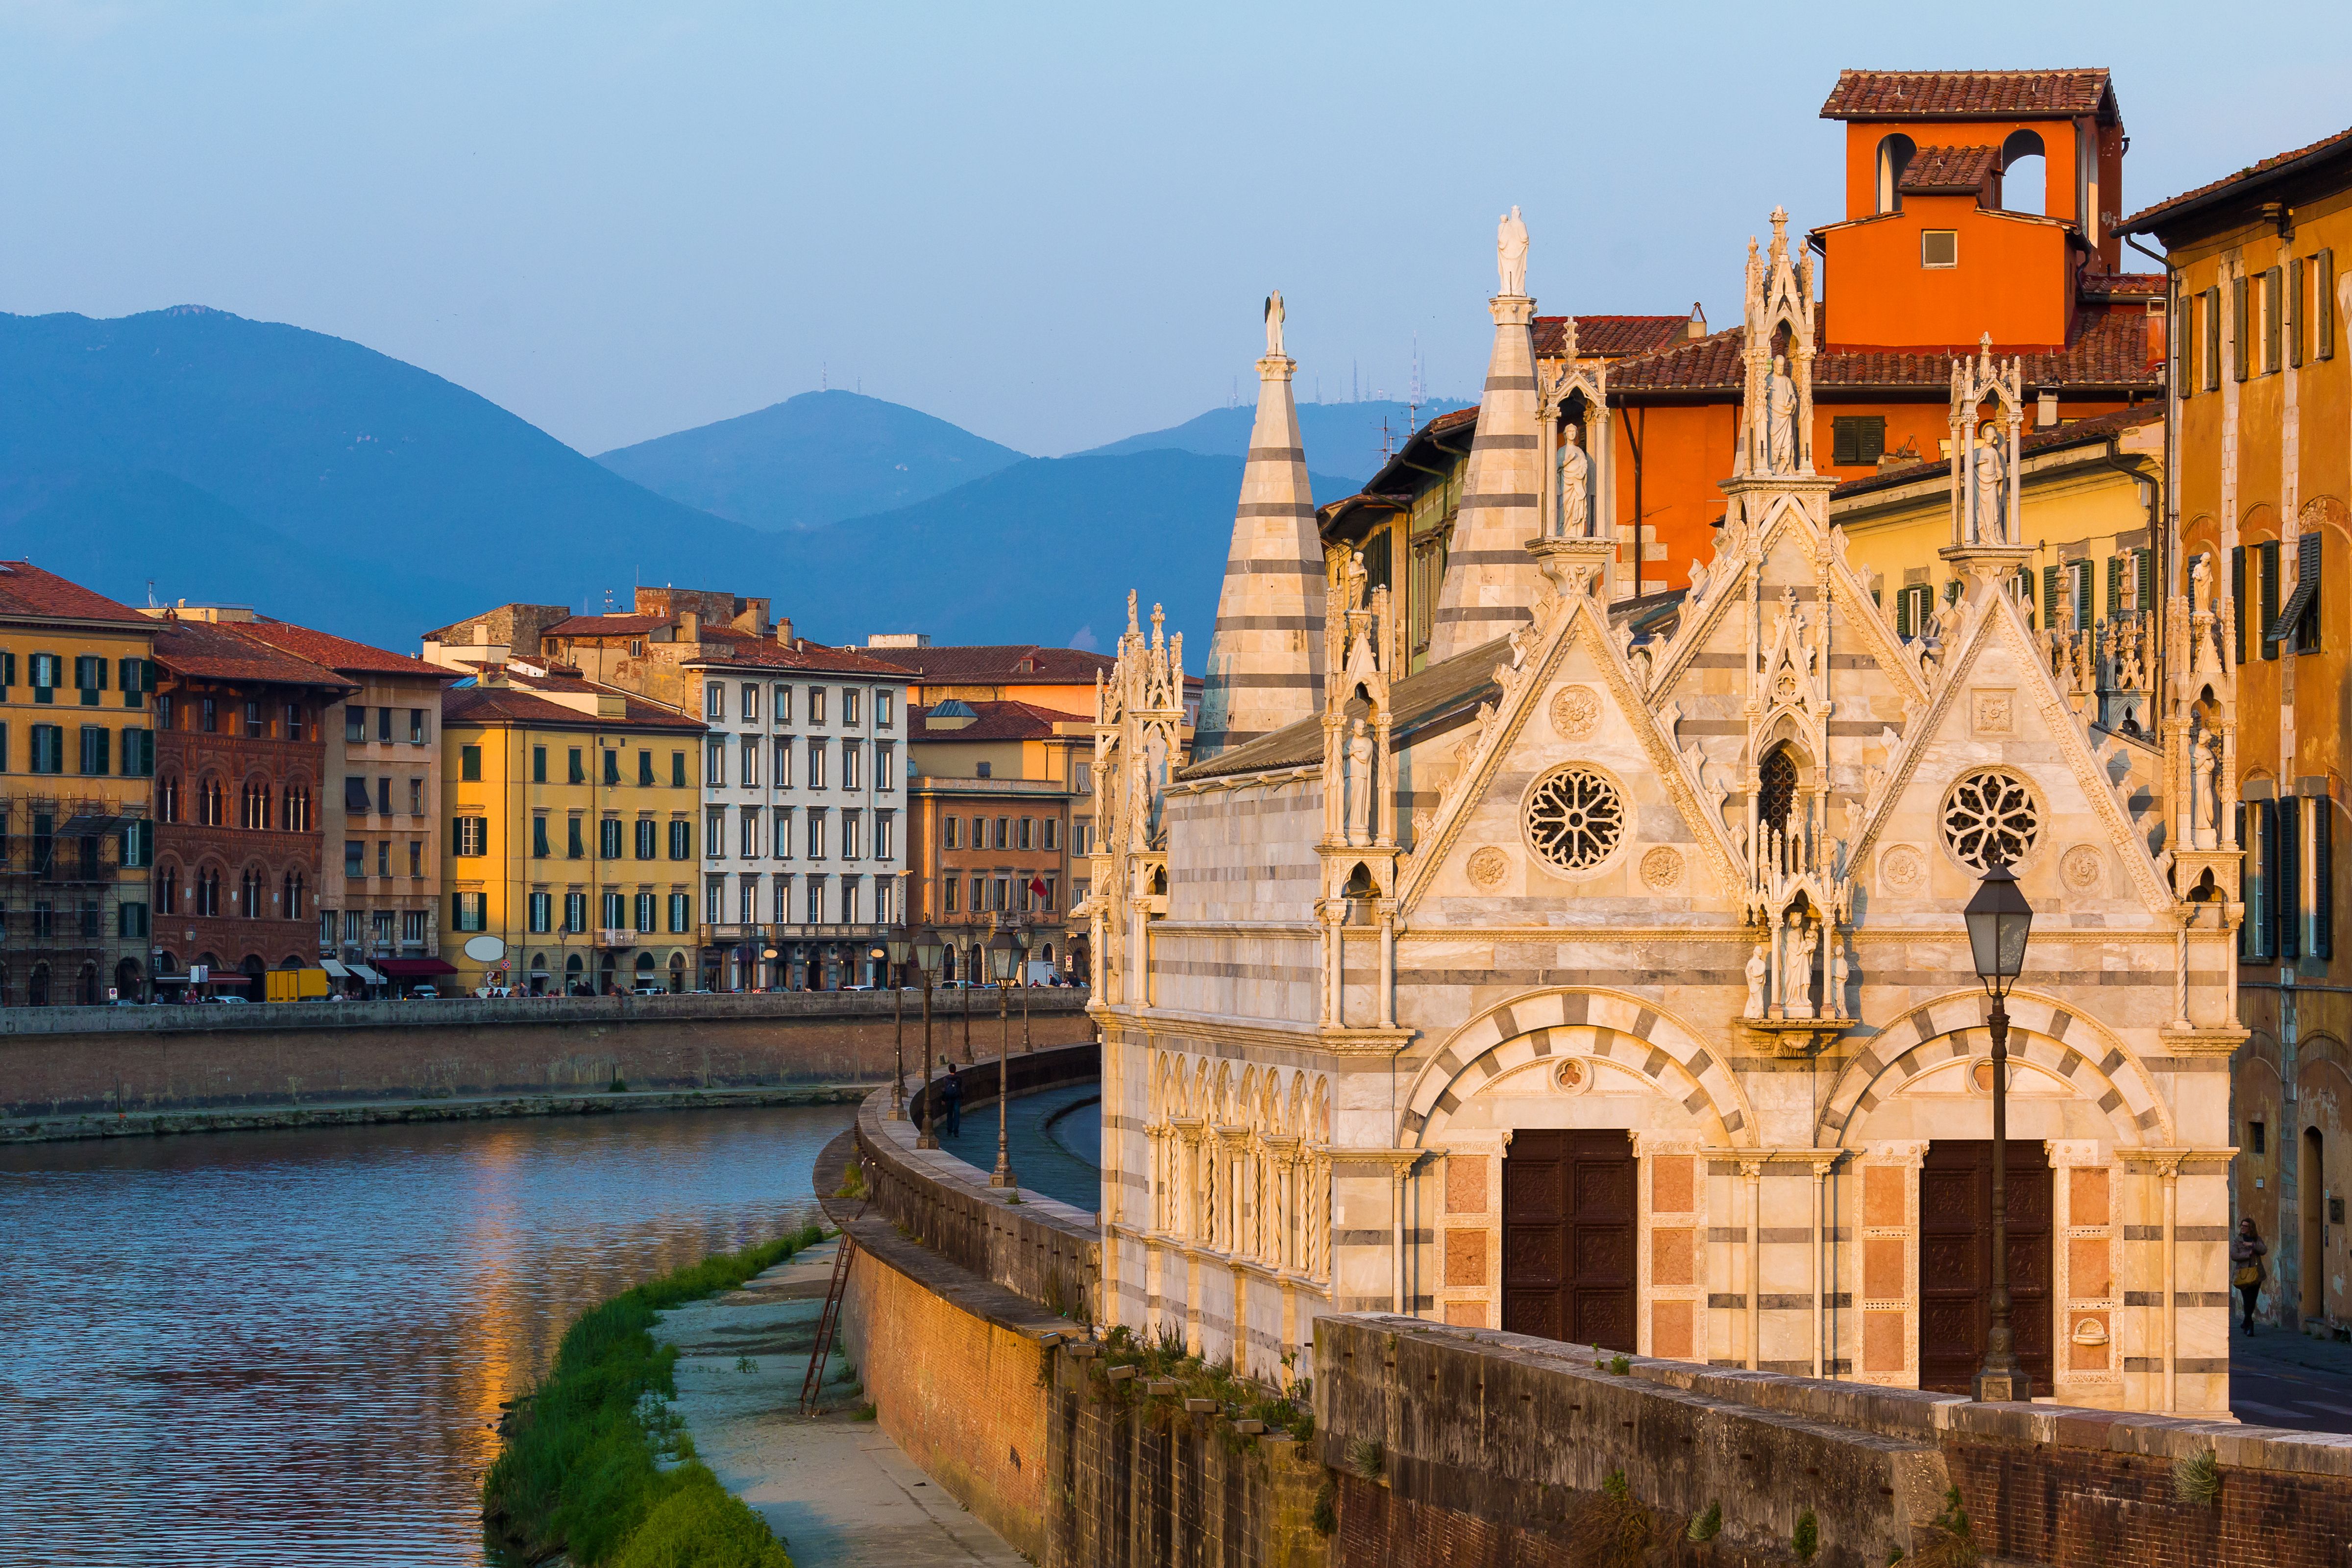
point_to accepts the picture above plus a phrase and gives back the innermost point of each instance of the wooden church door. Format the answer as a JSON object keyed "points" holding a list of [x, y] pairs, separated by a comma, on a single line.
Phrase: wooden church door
{"points": [[1956, 1260], [1567, 1236]]}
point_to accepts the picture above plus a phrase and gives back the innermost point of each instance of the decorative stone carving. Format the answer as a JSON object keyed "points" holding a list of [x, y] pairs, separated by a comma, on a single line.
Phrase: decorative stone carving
{"points": [[1575, 481], [1902, 870], [1991, 815], [1511, 255], [1574, 712], [1489, 867], [1662, 868], [1573, 1076], [1575, 818], [1781, 417], [1992, 497], [1993, 711], [2204, 807], [1759, 967], [2082, 869]]}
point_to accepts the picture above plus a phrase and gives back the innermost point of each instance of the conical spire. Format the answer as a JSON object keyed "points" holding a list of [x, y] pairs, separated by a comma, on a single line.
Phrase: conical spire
{"points": [[1492, 584], [1265, 654]]}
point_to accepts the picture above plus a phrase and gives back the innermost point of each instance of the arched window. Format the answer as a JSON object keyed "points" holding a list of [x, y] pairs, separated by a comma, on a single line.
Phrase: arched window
{"points": [[296, 818], [1894, 154], [2024, 174], [207, 890], [212, 804], [293, 892], [1776, 789], [167, 798], [253, 805], [249, 888]]}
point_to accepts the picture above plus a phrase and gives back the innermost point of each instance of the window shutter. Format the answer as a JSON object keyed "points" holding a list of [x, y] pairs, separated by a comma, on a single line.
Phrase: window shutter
{"points": [[2051, 599], [7, 668], [2323, 304], [2237, 339], [2115, 585], [2266, 815], [2294, 284], [2214, 338], [2245, 927], [2269, 552], [2308, 582], [2143, 566], [1842, 442], [2083, 595], [2287, 907], [2237, 605], [2322, 879], [2271, 313], [2184, 343]]}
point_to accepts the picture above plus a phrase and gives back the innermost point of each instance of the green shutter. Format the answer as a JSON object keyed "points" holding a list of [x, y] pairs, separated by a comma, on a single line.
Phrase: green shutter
{"points": [[2115, 585], [2214, 338], [2273, 292], [2184, 343], [2323, 304], [2268, 552], [2237, 605], [7, 668], [2295, 283], [2266, 825], [2083, 596], [2286, 906], [2051, 598], [2144, 565], [2238, 325], [2307, 572]]}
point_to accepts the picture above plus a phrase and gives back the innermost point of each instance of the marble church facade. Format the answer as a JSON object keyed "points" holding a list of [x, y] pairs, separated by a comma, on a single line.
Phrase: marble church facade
{"points": [[1612, 985]]}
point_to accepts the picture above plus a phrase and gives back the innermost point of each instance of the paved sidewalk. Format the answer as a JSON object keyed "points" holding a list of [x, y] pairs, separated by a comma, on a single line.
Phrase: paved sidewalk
{"points": [[836, 1490], [2281, 1378]]}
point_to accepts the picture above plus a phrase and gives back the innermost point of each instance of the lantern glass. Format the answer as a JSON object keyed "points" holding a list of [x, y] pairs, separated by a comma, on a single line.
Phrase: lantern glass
{"points": [[899, 944], [1001, 953], [1999, 920], [927, 948]]}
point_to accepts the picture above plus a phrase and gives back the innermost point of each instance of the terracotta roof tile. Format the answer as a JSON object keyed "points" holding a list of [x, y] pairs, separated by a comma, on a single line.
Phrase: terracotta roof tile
{"points": [[2111, 349], [26, 590], [514, 704], [1969, 95], [617, 626], [1948, 171], [997, 664], [2098, 427], [2144, 220], [1003, 721], [767, 653], [1608, 337], [216, 650], [2121, 286], [338, 653]]}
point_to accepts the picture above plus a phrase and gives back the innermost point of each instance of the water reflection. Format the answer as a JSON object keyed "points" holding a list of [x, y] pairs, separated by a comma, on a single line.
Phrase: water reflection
{"points": [[290, 1347]]}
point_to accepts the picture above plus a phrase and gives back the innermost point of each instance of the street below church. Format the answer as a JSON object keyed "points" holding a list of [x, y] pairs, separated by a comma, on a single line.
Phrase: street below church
{"points": [[2280, 1378]]}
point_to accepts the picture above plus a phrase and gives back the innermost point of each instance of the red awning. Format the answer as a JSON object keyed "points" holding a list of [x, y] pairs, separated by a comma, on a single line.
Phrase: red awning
{"points": [[414, 968]]}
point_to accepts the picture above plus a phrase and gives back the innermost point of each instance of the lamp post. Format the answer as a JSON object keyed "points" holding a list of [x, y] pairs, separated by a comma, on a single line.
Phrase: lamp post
{"points": [[1003, 952], [927, 953], [1021, 934], [900, 944], [970, 956], [1999, 920]]}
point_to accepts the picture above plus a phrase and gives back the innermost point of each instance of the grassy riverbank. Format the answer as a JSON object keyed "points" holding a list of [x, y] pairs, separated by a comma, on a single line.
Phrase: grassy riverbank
{"points": [[579, 1474]]}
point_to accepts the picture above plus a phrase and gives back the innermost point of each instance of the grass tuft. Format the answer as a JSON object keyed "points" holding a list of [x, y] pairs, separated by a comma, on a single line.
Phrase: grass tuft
{"points": [[579, 1475]]}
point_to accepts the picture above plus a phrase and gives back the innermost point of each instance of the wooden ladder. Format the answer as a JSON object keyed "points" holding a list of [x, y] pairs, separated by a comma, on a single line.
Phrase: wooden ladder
{"points": [[813, 1385]]}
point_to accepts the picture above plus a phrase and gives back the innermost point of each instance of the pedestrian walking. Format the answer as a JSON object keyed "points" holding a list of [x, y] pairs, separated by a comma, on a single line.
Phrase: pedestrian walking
{"points": [[2246, 1250], [951, 1101]]}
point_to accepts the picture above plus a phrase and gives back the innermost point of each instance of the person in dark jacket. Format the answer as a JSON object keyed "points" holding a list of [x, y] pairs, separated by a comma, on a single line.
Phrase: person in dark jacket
{"points": [[951, 1102], [2246, 1250]]}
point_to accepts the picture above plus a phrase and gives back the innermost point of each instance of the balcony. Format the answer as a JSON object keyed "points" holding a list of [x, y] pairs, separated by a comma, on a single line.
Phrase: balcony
{"points": [[616, 936]]}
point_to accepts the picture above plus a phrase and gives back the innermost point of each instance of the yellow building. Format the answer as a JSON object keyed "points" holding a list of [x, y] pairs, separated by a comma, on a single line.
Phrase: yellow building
{"points": [[2262, 403], [2091, 509], [570, 859], [77, 788]]}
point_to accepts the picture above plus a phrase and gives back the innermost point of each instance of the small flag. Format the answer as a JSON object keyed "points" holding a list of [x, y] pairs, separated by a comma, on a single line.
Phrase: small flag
{"points": [[1036, 887]]}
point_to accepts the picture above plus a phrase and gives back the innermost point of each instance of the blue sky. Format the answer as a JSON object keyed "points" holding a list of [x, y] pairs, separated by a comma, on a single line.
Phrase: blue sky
{"points": [[1050, 223]]}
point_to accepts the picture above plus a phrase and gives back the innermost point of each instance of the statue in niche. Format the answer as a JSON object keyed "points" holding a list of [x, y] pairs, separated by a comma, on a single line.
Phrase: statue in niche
{"points": [[1360, 785], [1836, 998], [1760, 963], [1274, 316], [1511, 255], [1781, 418], [1575, 483], [2201, 581], [1797, 980], [1990, 521], [2204, 802]]}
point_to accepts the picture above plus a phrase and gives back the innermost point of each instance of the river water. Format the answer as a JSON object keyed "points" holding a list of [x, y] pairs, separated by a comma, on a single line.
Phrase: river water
{"points": [[282, 1348]]}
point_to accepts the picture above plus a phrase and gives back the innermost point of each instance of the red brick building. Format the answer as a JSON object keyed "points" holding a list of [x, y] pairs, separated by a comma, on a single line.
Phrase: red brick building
{"points": [[239, 773]]}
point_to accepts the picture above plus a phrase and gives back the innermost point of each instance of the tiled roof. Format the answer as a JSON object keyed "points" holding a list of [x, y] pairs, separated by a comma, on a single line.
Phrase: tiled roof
{"points": [[994, 722], [517, 705], [2082, 432], [2146, 220], [26, 590], [1608, 337], [2121, 286], [1969, 95], [997, 664], [2111, 349], [340, 654], [616, 626], [214, 650], [742, 649], [1948, 171]]}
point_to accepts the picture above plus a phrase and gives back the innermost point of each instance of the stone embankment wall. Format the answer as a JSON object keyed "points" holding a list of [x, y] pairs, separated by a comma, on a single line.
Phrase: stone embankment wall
{"points": [[1040, 1249], [68, 1061], [1485, 1440]]}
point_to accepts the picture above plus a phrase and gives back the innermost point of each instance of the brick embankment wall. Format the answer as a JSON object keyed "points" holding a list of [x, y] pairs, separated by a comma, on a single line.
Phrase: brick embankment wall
{"points": [[1492, 1444], [1137, 1484], [63, 1061], [1043, 1250]]}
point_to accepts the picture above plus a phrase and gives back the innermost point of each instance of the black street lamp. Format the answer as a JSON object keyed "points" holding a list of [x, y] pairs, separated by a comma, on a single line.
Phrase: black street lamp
{"points": [[1003, 953], [927, 953], [1021, 934], [900, 944], [1999, 920]]}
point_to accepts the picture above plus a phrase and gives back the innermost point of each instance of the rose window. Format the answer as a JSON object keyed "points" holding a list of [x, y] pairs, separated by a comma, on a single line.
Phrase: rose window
{"points": [[1575, 820], [1990, 819]]}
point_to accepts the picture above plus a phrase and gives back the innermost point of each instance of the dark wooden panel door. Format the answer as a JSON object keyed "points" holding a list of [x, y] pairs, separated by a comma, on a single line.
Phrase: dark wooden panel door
{"points": [[1567, 1236], [1956, 1260]]}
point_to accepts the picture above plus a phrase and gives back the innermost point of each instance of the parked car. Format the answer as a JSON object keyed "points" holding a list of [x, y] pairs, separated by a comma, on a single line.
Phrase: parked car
{"points": [[650, 991], [425, 993], [239, 1000]]}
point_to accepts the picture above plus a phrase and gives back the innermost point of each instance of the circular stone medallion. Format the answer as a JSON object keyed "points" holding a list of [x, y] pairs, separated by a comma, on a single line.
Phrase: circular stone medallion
{"points": [[1662, 868], [2082, 869], [1902, 869], [1572, 1075], [1574, 712], [1487, 866]]}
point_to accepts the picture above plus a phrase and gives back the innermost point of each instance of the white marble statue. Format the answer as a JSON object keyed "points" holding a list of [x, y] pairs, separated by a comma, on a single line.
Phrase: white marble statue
{"points": [[1836, 999], [1797, 979], [2201, 581], [2204, 805], [1273, 315], [1575, 481], [1781, 417], [1360, 785], [1760, 963], [1511, 255], [1990, 521]]}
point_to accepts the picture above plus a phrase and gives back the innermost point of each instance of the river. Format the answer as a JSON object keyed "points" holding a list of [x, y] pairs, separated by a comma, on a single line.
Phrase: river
{"points": [[282, 1348]]}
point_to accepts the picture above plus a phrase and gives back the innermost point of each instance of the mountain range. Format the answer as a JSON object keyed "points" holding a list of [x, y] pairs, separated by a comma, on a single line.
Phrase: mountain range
{"points": [[193, 454]]}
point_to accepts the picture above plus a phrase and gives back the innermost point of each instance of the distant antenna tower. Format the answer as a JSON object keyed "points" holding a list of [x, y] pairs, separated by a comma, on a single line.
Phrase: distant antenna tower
{"points": [[1355, 392], [608, 601], [821, 383], [1388, 442]]}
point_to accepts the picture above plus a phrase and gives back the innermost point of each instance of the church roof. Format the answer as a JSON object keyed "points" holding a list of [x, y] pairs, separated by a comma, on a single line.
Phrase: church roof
{"points": [[1948, 171], [1970, 95]]}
